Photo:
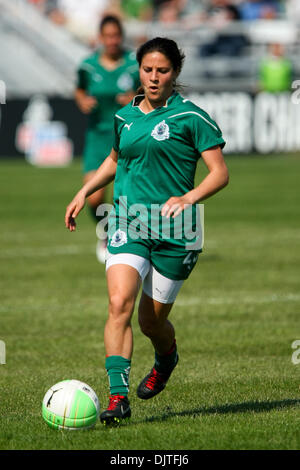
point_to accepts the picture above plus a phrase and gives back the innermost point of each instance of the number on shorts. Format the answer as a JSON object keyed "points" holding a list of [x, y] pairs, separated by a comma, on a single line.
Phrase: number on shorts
{"points": [[190, 259]]}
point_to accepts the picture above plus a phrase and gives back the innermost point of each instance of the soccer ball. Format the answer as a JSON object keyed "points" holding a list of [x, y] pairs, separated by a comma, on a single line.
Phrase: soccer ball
{"points": [[70, 404]]}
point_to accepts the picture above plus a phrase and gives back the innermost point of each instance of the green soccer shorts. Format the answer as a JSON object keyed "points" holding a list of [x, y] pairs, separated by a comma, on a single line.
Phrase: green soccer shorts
{"points": [[170, 260]]}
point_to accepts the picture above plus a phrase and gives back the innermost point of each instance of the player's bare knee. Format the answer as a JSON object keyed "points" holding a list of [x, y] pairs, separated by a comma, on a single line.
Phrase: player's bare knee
{"points": [[149, 326], [120, 308]]}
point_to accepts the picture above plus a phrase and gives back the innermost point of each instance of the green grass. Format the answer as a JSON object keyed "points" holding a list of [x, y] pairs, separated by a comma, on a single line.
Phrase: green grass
{"points": [[236, 317]]}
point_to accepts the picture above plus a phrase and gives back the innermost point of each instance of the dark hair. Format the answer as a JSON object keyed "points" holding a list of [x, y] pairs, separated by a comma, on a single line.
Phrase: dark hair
{"points": [[111, 19], [165, 46], [234, 12]]}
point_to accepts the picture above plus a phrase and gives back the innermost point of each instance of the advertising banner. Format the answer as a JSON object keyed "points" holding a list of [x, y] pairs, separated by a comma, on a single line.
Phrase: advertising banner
{"points": [[50, 131]]}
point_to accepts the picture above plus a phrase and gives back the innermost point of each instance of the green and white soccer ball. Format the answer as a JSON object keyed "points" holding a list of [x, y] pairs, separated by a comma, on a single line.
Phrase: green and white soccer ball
{"points": [[70, 404]]}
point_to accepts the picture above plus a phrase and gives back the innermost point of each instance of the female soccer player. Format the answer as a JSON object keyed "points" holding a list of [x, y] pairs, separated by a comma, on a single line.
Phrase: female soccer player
{"points": [[106, 80], [159, 138]]}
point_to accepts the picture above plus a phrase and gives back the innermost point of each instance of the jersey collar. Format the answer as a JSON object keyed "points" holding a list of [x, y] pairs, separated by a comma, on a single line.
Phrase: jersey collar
{"points": [[138, 98]]}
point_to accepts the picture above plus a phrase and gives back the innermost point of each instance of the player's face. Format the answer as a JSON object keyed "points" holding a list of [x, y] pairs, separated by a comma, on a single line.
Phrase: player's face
{"points": [[157, 77], [111, 38]]}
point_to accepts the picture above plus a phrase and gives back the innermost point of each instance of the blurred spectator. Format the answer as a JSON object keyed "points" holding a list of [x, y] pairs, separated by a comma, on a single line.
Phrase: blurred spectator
{"points": [[275, 71], [81, 18], [37, 3], [168, 11], [136, 9], [42, 5], [259, 9], [220, 14], [194, 13]]}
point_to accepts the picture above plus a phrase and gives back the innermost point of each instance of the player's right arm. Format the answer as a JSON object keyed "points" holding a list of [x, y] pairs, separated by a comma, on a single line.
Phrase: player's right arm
{"points": [[84, 101], [103, 176]]}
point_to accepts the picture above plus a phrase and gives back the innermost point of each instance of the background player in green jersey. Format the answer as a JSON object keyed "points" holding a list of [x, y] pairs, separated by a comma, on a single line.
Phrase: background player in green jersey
{"points": [[159, 138], [107, 80]]}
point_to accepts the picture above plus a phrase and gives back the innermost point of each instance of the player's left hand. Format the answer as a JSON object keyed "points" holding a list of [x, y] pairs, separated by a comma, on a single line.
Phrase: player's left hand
{"points": [[174, 206]]}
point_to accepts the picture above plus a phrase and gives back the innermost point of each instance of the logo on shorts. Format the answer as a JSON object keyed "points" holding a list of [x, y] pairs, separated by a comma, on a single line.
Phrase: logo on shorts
{"points": [[161, 131], [118, 238]]}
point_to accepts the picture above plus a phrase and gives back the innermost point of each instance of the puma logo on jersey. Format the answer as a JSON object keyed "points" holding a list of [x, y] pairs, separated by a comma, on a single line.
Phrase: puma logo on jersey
{"points": [[128, 125]]}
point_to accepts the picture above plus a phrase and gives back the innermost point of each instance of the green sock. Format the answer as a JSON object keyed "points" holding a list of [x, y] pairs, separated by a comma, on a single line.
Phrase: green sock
{"points": [[118, 369], [165, 363]]}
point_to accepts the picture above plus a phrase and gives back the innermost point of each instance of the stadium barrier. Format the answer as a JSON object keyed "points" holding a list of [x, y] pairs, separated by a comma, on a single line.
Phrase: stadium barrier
{"points": [[49, 130]]}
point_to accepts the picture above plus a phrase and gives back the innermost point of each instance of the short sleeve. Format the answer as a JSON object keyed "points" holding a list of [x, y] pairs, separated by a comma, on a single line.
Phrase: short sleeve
{"points": [[81, 78], [117, 130], [205, 132]]}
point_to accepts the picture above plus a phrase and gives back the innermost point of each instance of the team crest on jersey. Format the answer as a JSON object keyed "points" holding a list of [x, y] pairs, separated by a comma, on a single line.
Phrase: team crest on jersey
{"points": [[161, 131], [125, 82], [97, 77], [118, 238]]}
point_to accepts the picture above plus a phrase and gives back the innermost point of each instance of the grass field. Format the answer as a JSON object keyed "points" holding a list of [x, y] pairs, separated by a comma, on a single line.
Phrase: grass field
{"points": [[236, 317]]}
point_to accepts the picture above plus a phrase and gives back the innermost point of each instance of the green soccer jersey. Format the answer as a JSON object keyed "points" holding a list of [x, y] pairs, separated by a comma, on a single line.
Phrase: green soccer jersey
{"points": [[105, 84], [158, 152]]}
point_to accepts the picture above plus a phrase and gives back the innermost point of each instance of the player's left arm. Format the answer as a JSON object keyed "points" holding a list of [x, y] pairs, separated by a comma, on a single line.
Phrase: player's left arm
{"points": [[217, 178]]}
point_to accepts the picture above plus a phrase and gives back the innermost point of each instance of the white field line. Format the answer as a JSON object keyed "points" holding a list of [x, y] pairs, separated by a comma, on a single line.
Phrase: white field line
{"points": [[201, 300], [192, 301]]}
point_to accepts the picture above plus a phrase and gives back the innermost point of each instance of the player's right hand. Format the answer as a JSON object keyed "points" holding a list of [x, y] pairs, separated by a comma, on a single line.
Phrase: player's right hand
{"points": [[87, 103], [73, 209]]}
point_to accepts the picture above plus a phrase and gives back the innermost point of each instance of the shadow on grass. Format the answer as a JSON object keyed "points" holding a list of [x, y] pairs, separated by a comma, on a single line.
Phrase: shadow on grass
{"points": [[251, 406]]}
